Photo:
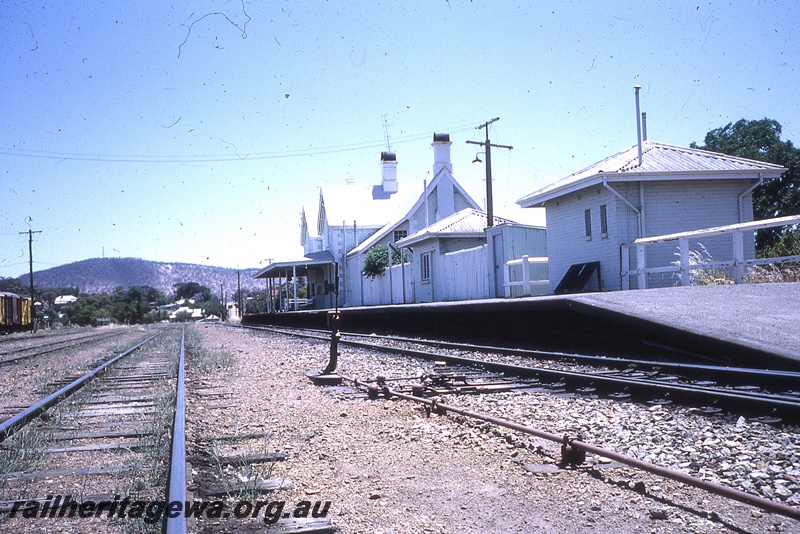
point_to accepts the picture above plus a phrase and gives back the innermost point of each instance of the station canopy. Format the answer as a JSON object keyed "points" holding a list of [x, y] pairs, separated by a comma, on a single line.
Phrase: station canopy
{"points": [[299, 266]]}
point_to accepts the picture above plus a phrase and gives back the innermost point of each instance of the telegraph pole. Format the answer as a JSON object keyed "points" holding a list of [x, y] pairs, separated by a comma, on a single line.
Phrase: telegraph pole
{"points": [[30, 266], [488, 145], [239, 287]]}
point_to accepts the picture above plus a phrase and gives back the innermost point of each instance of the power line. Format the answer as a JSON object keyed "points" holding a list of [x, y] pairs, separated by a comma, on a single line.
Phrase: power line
{"points": [[211, 158]]}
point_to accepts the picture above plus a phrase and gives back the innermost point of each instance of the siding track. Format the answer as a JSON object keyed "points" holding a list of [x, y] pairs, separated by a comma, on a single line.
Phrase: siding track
{"points": [[96, 444]]}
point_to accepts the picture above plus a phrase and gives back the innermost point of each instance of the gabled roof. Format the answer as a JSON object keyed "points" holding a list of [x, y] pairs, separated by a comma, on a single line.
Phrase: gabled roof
{"points": [[409, 208], [310, 214], [659, 162], [365, 205], [468, 222]]}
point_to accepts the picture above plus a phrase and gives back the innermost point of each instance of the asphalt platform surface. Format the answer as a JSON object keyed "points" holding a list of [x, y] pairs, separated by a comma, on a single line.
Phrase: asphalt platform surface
{"points": [[765, 317]]}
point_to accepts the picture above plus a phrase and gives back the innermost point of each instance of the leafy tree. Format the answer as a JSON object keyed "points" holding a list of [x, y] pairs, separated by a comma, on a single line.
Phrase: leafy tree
{"points": [[377, 260], [192, 290], [213, 307], [139, 298], [82, 313], [125, 306], [760, 140], [13, 285], [183, 316]]}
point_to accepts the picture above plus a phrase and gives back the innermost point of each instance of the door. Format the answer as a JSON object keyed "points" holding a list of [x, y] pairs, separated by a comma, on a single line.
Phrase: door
{"points": [[499, 265]]}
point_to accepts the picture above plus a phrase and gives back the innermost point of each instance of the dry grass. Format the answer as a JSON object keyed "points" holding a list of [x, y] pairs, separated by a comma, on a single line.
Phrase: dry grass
{"points": [[757, 274], [208, 360], [773, 273], [704, 277]]}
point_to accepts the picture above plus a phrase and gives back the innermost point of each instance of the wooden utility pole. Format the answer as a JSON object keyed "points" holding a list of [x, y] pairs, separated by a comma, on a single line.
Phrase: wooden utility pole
{"points": [[239, 287], [30, 265], [488, 145]]}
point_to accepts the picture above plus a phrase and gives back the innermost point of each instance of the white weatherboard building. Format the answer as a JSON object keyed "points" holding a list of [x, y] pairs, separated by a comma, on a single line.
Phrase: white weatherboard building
{"points": [[430, 203], [437, 224], [452, 259], [593, 212], [347, 219], [342, 216]]}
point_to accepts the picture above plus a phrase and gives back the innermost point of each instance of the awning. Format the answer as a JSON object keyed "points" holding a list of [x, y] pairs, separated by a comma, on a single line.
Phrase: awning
{"points": [[312, 259]]}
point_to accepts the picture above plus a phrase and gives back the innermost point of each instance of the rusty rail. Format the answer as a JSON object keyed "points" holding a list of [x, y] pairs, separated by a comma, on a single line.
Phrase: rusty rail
{"points": [[713, 487]]}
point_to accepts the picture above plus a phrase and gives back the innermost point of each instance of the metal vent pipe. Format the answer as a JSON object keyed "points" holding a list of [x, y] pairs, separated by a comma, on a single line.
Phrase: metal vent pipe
{"points": [[638, 123]]}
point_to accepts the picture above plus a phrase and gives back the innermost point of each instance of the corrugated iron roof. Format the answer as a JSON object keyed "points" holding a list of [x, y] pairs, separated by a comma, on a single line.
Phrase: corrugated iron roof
{"points": [[658, 161], [468, 222], [312, 258]]}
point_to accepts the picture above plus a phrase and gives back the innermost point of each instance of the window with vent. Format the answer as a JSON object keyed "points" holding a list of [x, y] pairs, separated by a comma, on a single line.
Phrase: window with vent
{"points": [[400, 234], [603, 221], [425, 268], [587, 221]]}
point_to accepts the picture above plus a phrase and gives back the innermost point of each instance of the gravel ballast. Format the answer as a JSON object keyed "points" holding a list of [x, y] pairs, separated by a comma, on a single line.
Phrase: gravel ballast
{"points": [[388, 467]]}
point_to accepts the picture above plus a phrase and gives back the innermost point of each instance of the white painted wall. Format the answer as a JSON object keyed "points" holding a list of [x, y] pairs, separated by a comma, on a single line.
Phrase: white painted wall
{"points": [[673, 207], [566, 237], [461, 275], [515, 242], [670, 206]]}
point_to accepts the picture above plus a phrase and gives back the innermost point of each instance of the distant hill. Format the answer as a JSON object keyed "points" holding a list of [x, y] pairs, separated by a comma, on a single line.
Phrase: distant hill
{"points": [[103, 275]]}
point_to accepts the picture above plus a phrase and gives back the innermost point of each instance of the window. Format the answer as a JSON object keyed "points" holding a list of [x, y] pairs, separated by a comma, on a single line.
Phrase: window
{"points": [[603, 221], [587, 221], [399, 234], [425, 268]]}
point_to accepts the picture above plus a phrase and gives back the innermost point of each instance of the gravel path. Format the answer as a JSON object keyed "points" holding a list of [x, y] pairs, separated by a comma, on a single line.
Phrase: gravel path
{"points": [[388, 468]]}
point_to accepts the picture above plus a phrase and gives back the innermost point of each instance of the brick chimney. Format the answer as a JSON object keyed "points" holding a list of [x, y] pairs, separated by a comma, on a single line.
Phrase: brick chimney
{"points": [[441, 153], [389, 172]]}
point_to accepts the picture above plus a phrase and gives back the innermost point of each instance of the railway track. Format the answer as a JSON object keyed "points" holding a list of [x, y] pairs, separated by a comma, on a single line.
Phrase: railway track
{"points": [[107, 452], [41, 371], [772, 396], [92, 449], [34, 348], [399, 380]]}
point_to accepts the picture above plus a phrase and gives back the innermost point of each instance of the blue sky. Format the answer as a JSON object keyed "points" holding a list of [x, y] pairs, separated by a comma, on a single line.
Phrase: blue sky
{"points": [[195, 131]]}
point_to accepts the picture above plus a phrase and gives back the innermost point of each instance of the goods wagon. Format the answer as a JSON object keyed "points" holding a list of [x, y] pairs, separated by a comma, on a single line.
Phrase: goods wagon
{"points": [[15, 313]]}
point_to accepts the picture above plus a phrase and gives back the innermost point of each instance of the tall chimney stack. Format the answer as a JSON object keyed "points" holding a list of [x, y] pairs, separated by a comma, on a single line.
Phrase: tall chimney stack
{"points": [[389, 172], [441, 153]]}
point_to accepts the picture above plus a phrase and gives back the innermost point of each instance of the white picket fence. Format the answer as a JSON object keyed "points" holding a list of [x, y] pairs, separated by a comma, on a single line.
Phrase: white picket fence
{"points": [[376, 290], [463, 275], [460, 275], [532, 278]]}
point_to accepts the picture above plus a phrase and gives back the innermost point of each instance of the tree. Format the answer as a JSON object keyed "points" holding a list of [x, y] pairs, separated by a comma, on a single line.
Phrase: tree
{"points": [[377, 260], [761, 140], [192, 290], [13, 285]]}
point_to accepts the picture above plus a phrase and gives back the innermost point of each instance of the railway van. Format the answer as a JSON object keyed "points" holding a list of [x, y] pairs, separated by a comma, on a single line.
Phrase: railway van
{"points": [[15, 313]]}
